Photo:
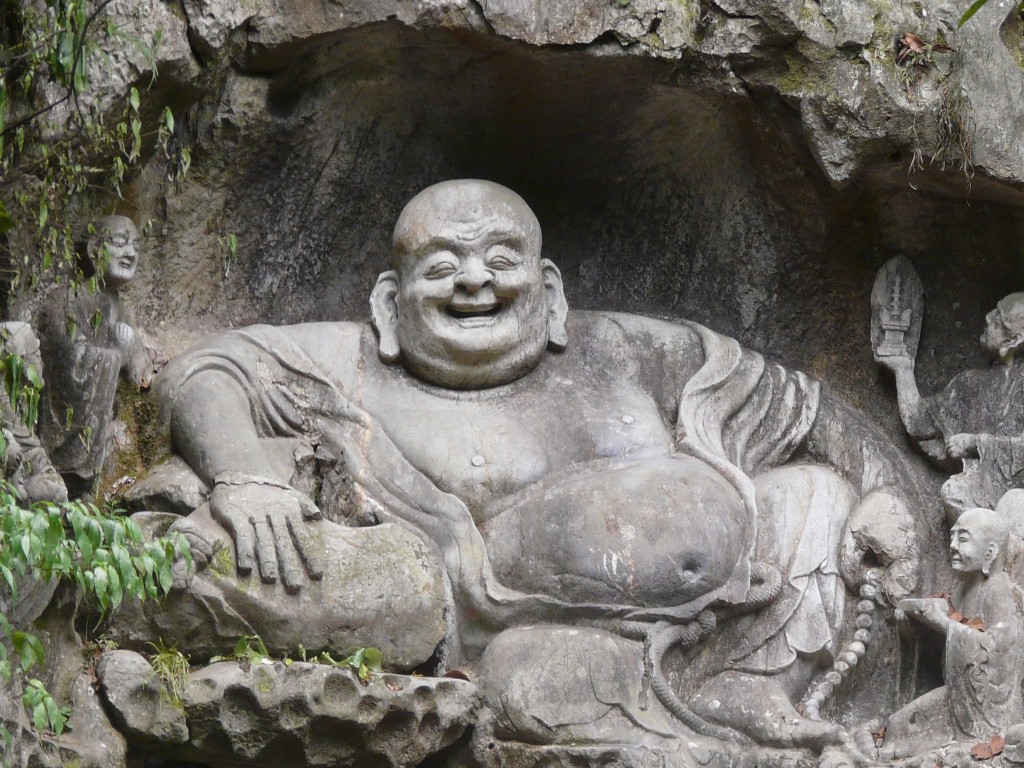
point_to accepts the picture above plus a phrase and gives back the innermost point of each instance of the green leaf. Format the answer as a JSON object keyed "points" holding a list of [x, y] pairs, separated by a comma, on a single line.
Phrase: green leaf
{"points": [[373, 658], [134, 98], [33, 376], [165, 577], [100, 584], [29, 649], [169, 119], [974, 8], [39, 716], [115, 590], [54, 715], [6, 220]]}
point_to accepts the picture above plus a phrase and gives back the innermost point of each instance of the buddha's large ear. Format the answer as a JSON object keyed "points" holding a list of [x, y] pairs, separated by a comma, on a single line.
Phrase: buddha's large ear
{"points": [[1012, 346], [558, 307], [384, 311]]}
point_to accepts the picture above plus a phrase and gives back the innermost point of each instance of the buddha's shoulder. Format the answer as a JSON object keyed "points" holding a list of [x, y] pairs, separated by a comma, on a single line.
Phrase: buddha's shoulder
{"points": [[340, 332], [612, 329], [328, 343]]}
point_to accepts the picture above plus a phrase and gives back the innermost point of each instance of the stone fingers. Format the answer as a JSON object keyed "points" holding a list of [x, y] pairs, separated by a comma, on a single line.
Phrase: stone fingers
{"points": [[241, 532], [310, 547], [266, 550], [310, 511], [272, 533], [287, 558]]}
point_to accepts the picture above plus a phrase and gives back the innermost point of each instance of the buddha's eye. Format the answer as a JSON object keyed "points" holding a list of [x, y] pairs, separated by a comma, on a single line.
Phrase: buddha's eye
{"points": [[503, 257], [440, 270]]}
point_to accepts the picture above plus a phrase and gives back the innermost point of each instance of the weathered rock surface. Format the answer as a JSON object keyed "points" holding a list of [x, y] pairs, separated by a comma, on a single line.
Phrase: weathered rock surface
{"points": [[142, 706], [169, 487], [303, 714], [767, 153], [748, 164]]}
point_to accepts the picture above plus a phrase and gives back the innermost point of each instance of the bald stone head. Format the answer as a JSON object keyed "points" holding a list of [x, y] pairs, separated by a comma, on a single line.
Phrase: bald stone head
{"points": [[469, 303], [472, 205], [978, 541], [1004, 326], [112, 250]]}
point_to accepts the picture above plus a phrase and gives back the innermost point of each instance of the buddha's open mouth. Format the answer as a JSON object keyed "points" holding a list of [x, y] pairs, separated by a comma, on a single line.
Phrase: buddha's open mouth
{"points": [[473, 311]]}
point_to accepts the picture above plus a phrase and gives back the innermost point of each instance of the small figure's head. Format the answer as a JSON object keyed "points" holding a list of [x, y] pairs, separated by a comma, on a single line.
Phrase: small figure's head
{"points": [[469, 302], [977, 542], [112, 250], [1004, 326]]}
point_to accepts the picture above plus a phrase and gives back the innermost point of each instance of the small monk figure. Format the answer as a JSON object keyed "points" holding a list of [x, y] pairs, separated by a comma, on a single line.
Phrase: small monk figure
{"points": [[976, 418], [87, 343], [982, 620]]}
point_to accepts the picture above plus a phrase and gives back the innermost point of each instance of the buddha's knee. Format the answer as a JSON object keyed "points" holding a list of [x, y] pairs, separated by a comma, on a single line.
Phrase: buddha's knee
{"points": [[807, 489], [568, 685], [382, 587], [801, 503]]}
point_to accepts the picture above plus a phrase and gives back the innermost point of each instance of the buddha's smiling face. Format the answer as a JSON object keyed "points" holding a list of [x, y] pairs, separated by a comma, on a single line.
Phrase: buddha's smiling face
{"points": [[472, 296], [472, 291]]}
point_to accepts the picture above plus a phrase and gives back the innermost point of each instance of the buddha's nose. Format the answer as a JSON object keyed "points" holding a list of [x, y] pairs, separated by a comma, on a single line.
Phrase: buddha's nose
{"points": [[473, 276]]}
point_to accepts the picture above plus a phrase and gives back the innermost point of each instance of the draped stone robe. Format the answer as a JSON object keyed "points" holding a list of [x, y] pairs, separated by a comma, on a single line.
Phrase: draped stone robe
{"points": [[737, 413]]}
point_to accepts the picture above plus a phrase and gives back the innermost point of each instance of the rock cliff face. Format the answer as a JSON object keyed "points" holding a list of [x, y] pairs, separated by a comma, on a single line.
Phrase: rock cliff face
{"points": [[747, 164]]}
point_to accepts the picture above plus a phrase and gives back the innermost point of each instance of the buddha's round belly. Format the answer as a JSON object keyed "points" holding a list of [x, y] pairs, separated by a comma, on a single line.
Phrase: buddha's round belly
{"points": [[657, 532]]}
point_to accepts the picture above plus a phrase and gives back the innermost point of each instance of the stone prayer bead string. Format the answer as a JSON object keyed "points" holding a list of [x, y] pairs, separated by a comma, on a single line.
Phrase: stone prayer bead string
{"points": [[851, 655]]}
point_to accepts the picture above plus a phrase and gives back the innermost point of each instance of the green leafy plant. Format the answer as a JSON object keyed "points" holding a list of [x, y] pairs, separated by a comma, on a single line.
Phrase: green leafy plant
{"points": [[104, 554], [363, 661], [950, 114], [45, 56], [250, 648], [171, 666], [230, 244], [46, 712], [47, 166]]}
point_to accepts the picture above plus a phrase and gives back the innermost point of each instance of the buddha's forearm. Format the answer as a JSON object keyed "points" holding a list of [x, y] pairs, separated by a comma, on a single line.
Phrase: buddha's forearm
{"points": [[212, 428]]}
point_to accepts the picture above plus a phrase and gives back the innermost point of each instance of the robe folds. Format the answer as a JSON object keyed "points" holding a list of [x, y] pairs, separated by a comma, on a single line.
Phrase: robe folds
{"points": [[983, 666], [739, 414]]}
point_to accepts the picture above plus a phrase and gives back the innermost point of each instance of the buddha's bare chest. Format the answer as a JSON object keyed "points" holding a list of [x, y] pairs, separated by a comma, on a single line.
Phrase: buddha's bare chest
{"points": [[487, 446]]}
